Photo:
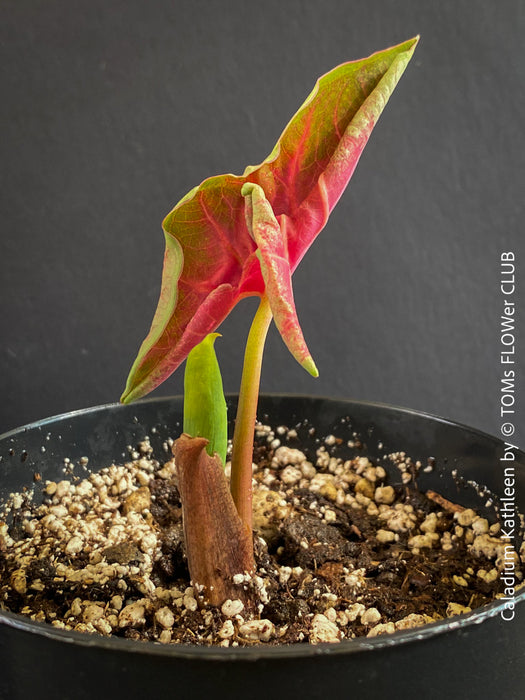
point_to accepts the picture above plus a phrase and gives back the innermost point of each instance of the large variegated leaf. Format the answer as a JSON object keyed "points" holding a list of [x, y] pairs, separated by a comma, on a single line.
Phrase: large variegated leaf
{"points": [[212, 260]]}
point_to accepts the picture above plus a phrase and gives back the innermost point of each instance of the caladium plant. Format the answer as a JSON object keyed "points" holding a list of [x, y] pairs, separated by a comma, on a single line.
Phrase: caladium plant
{"points": [[238, 236]]}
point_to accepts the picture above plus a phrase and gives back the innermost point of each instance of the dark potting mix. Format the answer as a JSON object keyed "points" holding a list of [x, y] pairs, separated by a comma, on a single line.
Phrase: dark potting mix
{"points": [[344, 548]]}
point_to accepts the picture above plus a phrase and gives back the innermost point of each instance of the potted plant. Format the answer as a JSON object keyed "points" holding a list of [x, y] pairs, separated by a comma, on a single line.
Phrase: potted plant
{"points": [[228, 238], [233, 237]]}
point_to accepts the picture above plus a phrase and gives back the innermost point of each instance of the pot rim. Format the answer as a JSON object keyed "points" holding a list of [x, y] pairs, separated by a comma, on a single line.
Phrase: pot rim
{"points": [[233, 395], [349, 646]]}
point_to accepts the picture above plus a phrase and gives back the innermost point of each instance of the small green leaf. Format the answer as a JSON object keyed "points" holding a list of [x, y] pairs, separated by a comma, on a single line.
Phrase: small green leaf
{"points": [[205, 412]]}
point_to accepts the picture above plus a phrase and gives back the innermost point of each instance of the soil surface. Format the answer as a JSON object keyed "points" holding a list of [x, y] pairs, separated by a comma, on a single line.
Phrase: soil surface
{"points": [[340, 552]]}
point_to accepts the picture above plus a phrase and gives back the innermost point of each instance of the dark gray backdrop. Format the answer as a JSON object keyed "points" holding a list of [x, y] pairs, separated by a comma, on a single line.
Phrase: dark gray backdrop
{"points": [[111, 111]]}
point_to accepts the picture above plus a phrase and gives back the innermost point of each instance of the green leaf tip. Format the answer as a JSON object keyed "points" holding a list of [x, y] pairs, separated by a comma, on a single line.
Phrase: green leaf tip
{"points": [[205, 411], [310, 366]]}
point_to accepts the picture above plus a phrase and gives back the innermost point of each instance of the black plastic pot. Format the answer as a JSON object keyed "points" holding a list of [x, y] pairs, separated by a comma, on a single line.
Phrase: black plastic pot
{"points": [[478, 655]]}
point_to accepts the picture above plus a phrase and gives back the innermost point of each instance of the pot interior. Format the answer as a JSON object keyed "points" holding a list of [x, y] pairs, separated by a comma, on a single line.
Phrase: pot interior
{"points": [[462, 464]]}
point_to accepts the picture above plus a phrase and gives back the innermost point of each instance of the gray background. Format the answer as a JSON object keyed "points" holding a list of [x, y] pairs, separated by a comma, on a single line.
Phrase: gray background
{"points": [[111, 111]]}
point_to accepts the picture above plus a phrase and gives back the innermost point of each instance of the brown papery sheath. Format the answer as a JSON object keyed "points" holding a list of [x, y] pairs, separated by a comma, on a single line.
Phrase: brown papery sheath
{"points": [[218, 546]]}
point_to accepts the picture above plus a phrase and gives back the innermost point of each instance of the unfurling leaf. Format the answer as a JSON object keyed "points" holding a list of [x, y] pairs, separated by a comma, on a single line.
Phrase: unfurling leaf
{"points": [[212, 261], [205, 412]]}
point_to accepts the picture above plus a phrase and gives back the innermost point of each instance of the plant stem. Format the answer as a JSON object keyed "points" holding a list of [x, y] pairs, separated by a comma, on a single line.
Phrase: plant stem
{"points": [[242, 453]]}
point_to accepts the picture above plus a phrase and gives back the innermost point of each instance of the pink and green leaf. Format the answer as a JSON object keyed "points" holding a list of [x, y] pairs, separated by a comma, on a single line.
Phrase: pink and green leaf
{"points": [[212, 261], [275, 269]]}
